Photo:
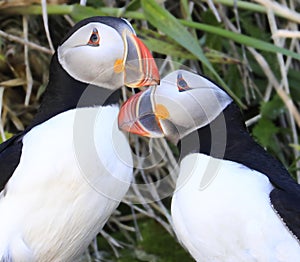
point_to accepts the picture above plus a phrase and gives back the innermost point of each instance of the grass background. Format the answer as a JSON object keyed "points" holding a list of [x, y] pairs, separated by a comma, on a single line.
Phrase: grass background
{"points": [[251, 48]]}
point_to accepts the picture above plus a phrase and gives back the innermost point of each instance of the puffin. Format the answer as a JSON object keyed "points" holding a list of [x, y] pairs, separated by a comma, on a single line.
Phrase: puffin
{"points": [[64, 175], [233, 201]]}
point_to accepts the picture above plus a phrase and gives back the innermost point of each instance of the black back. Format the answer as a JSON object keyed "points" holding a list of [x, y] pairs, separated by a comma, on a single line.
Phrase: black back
{"points": [[10, 153], [241, 148]]}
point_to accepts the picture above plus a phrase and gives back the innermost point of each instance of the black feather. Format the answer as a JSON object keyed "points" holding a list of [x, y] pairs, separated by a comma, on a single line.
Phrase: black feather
{"points": [[288, 207], [10, 153]]}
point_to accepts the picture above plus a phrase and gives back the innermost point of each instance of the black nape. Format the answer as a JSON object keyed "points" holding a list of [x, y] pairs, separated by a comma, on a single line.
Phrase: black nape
{"points": [[227, 138], [64, 93], [218, 138]]}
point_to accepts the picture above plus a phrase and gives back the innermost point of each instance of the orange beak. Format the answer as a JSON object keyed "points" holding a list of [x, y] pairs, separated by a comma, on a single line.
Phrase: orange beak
{"points": [[137, 115], [140, 67]]}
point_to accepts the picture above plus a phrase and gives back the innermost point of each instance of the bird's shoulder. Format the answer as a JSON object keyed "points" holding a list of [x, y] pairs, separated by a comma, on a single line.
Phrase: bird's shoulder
{"points": [[11, 150], [10, 154]]}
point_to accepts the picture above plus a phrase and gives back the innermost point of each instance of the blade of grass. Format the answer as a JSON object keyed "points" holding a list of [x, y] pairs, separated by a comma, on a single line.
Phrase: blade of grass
{"points": [[23, 42], [46, 24], [279, 11], [77, 12], [163, 44], [169, 25], [37, 10], [242, 39]]}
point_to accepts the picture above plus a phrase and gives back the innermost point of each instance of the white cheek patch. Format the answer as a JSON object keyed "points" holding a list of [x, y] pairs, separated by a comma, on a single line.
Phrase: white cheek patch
{"points": [[84, 68], [195, 107], [93, 64]]}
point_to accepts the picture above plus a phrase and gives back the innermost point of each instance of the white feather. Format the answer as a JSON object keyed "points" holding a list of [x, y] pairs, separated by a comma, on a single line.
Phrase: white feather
{"points": [[69, 180], [222, 212]]}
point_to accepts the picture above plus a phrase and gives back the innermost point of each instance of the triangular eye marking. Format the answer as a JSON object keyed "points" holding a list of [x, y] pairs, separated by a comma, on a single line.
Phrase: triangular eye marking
{"points": [[182, 85], [94, 38]]}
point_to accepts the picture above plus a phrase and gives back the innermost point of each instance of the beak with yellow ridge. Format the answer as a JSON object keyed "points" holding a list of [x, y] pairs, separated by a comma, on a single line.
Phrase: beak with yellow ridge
{"points": [[105, 52], [182, 103], [140, 67]]}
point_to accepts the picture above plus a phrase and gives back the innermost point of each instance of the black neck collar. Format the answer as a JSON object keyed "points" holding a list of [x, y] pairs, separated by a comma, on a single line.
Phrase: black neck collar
{"points": [[64, 93], [236, 145]]}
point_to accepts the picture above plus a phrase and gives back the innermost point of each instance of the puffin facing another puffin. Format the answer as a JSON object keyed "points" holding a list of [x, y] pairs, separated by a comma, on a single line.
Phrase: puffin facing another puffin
{"points": [[63, 176], [233, 201]]}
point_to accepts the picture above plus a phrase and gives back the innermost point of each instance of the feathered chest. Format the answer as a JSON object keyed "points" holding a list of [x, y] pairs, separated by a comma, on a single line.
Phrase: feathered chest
{"points": [[222, 212], [73, 172]]}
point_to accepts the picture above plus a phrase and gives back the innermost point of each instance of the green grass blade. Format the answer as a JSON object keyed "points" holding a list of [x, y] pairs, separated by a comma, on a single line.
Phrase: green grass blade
{"points": [[241, 39], [77, 12], [169, 25], [37, 10]]}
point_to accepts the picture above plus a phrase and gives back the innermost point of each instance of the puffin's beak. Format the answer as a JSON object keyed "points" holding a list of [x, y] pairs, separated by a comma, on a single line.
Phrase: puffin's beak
{"points": [[140, 67], [138, 115]]}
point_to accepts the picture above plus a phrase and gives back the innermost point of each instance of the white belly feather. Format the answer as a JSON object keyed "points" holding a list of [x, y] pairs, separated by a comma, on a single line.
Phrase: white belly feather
{"points": [[74, 170], [221, 212]]}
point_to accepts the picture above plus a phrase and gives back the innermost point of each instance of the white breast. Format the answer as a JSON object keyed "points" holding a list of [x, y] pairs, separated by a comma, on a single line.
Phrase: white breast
{"points": [[74, 170], [221, 212]]}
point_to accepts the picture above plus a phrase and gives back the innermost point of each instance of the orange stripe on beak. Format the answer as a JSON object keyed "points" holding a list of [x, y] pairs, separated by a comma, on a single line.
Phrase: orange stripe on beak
{"points": [[136, 116], [128, 117], [140, 67], [151, 74]]}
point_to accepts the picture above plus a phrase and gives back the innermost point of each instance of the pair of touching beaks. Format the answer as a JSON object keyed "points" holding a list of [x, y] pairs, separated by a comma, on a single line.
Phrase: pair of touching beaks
{"points": [[182, 103]]}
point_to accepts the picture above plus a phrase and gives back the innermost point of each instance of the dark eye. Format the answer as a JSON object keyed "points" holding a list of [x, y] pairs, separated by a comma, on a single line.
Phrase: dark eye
{"points": [[181, 83], [94, 38]]}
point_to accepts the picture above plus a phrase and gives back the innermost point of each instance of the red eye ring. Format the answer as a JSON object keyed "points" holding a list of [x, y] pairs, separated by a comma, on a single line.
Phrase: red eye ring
{"points": [[94, 38]]}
